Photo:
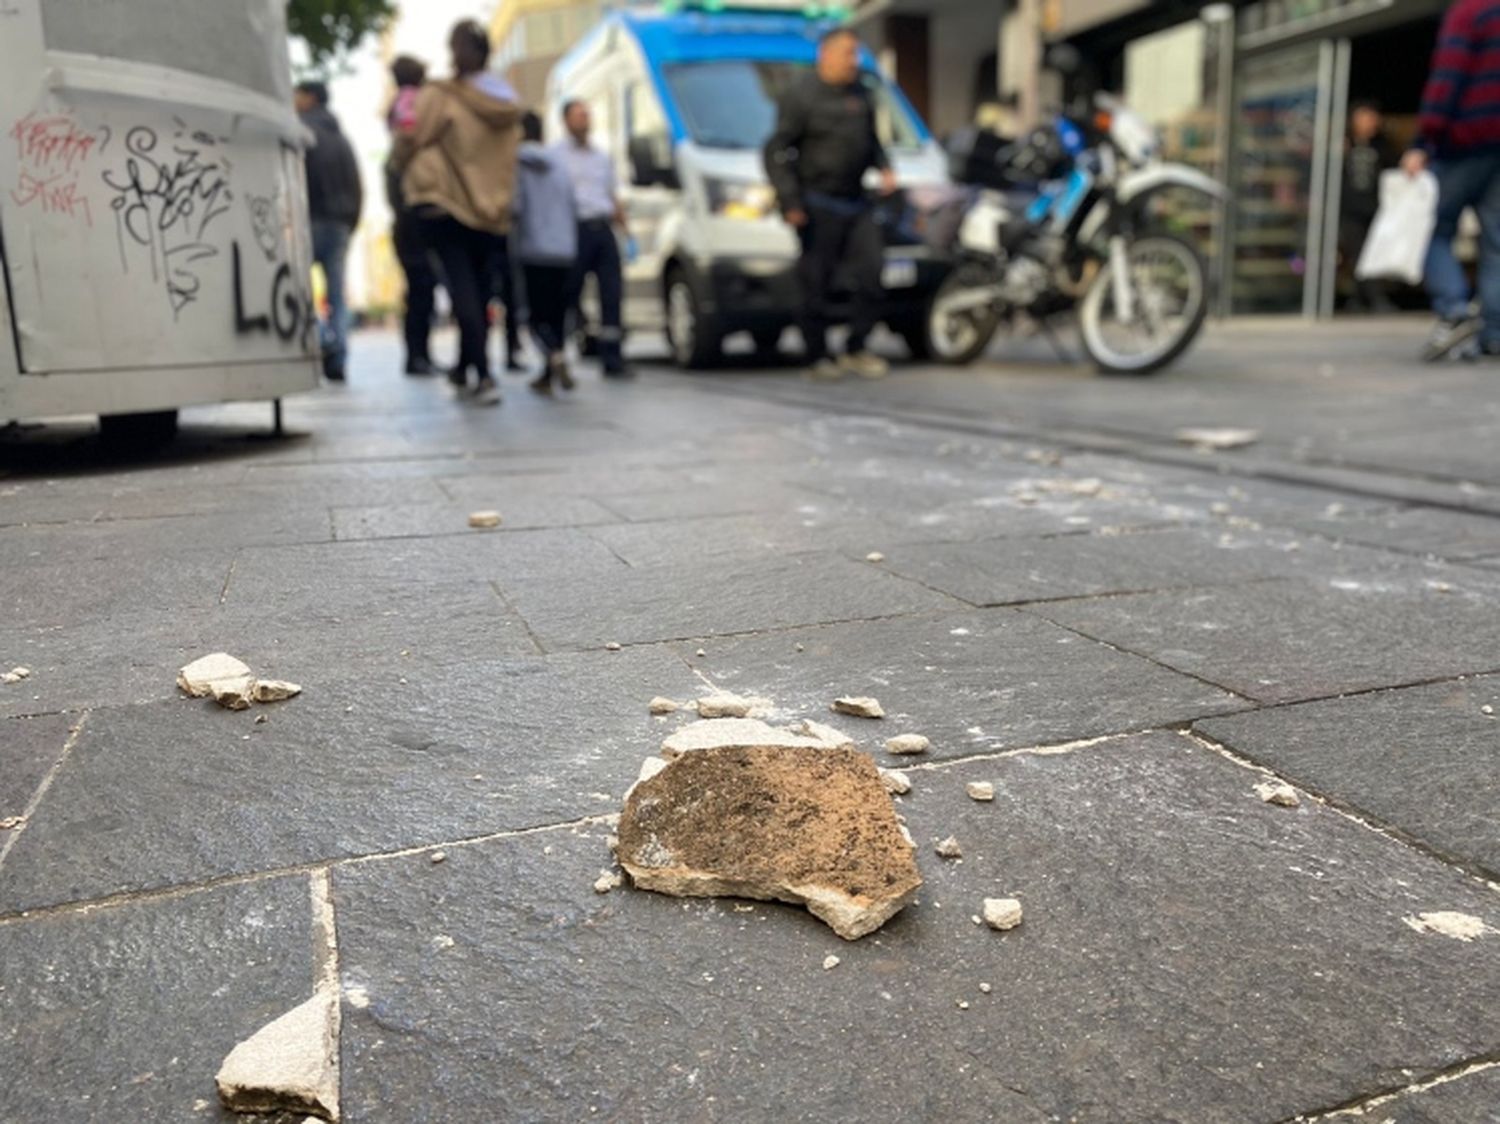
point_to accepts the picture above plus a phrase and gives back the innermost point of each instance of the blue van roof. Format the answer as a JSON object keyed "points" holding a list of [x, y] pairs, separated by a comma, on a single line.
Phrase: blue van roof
{"points": [[696, 36]]}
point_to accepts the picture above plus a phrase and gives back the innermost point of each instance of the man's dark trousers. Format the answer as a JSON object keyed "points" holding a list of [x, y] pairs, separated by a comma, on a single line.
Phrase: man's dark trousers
{"points": [[421, 281], [839, 233], [599, 254]]}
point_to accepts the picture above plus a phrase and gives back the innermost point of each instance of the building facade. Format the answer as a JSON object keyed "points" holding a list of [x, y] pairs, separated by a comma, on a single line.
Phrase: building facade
{"points": [[529, 36]]}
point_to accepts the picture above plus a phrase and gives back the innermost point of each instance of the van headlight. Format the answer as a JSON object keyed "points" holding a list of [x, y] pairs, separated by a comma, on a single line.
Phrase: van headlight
{"points": [[740, 199]]}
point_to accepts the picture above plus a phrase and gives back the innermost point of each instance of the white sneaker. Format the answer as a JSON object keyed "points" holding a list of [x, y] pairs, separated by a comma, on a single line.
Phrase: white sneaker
{"points": [[865, 364]]}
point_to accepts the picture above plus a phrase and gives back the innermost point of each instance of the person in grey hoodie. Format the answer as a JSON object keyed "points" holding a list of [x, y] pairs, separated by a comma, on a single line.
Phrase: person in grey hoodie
{"points": [[545, 238]]}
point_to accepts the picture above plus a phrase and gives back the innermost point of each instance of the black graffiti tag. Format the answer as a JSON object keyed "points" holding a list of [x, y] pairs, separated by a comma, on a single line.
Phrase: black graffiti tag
{"points": [[291, 316], [166, 199]]}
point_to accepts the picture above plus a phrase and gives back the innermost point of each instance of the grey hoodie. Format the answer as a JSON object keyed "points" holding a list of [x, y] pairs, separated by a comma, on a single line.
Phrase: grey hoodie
{"points": [[546, 219]]}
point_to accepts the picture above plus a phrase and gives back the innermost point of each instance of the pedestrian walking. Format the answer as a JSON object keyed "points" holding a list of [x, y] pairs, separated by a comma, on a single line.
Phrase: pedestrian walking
{"points": [[825, 141], [1367, 153], [600, 215], [544, 239], [406, 232], [1459, 138], [335, 197], [458, 174]]}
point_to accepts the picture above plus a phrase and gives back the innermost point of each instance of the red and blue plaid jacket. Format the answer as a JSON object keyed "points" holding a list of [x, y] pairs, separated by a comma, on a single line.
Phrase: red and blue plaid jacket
{"points": [[1461, 104]]}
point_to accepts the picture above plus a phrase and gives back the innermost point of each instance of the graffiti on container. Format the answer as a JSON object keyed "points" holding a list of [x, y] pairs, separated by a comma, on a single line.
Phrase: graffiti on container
{"points": [[167, 195], [291, 314], [266, 223], [51, 152]]}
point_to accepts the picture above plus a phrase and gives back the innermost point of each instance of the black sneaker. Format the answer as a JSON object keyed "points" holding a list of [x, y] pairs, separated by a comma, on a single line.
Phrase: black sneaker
{"points": [[420, 368], [1448, 336]]}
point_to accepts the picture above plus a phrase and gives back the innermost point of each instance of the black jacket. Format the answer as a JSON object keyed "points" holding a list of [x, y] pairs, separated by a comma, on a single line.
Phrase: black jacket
{"points": [[333, 187], [824, 142]]}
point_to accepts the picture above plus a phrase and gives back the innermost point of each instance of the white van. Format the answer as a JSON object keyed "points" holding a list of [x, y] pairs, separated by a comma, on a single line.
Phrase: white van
{"points": [[685, 100]]}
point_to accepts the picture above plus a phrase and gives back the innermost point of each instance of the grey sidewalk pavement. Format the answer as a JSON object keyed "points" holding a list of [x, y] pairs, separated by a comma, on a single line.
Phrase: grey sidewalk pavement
{"points": [[1123, 633]]}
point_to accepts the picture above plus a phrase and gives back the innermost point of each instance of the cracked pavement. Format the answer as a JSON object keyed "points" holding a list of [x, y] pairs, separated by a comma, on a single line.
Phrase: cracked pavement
{"points": [[1124, 660]]}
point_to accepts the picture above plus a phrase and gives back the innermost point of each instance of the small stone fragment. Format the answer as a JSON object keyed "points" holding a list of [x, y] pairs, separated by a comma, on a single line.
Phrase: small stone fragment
{"points": [[908, 744], [896, 782], [799, 648], [9, 823], [1002, 913], [985, 988], [608, 880], [484, 520], [198, 677], [809, 826], [661, 705], [1450, 923], [612, 646], [261, 719], [701, 653], [875, 556], [1210, 439], [15, 675], [235, 694], [726, 705], [963, 1004], [1486, 709], [275, 690], [438, 857], [828, 735], [980, 790], [858, 707], [290, 1064], [830, 962], [949, 848], [1279, 793]]}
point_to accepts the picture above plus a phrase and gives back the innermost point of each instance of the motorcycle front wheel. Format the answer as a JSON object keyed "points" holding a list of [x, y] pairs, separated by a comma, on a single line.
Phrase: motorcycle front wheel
{"points": [[957, 331], [1169, 291]]}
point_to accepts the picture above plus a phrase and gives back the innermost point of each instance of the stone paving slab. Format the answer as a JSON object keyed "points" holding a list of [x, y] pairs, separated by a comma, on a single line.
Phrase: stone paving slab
{"points": [[183, 791], [164, 537], [520, 510], [971, 681], [1469, 1098], [85, 588], [29, 747], [126, 1013], [1293, 640], [1423, 530], [1424, 760], [1177, 983]]}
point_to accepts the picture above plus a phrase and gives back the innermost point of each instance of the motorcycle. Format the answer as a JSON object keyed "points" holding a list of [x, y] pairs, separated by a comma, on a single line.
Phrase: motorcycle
{"points": [[1061, 221]]}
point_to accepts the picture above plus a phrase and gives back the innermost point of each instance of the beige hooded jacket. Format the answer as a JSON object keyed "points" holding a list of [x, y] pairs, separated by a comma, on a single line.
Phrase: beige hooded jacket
{"points": [[461, 156]]}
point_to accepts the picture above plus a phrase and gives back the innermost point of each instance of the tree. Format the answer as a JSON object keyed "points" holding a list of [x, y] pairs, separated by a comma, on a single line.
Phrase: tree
{"points": [[331, 27]]}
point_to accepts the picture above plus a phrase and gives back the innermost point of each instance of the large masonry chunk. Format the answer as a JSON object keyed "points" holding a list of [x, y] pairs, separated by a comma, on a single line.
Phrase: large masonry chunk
{"points": [[290, 1064], [810, 826], [198, 678]]}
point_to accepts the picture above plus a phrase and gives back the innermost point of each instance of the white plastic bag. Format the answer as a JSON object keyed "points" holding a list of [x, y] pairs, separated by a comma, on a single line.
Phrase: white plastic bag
{"points": [[1396, 245]]}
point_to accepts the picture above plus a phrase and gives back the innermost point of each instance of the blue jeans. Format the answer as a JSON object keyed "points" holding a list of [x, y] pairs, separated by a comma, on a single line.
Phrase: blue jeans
{"points": [[330, 246], [1466, 181]]}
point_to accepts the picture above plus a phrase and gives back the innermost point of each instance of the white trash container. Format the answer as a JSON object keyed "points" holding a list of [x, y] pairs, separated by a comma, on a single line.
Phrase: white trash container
{"points": [[154, 246]]}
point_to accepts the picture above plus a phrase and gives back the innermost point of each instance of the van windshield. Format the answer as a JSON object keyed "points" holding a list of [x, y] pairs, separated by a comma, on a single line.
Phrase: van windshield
{"points": [[732, 103]]}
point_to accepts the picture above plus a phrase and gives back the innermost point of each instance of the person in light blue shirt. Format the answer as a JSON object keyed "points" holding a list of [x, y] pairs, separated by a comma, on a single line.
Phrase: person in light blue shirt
{"points": [[544, 240], [592, 173]]}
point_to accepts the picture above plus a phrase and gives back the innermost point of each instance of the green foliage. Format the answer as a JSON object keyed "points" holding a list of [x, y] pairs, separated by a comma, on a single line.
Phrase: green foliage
{"points": [[332, 27]]}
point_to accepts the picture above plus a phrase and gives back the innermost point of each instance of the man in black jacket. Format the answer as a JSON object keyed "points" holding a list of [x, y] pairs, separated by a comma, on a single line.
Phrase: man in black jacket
{"points": [[334, 199], [825, 141]]}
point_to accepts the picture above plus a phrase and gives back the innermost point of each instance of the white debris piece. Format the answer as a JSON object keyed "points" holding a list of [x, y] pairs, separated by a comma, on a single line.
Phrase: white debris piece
{"points": [[15, 675], [484, 520], [984, 987], [726, 705], [905, 834], [858, 707], [235, 694], [1486, 709], [438, 857], [1220, 508], [198, 677], [896, 782], [907, 744], [980, 790], [949, 848], [875, 556], [963, 1004], [608, 880], [1279, 793], [612, 646], [1210, 438], [716, 733], [828, 735], [9, 823], [1449, 923], [290, 1064], [274, 690], [701, 653], [660, 705], [830, 962], [1002, 913], [1088, 486]]}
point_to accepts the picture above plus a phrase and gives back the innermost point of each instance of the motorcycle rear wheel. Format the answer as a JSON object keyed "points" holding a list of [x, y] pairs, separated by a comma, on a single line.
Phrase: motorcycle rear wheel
{"points": [[1171, 298], [959, 337]]}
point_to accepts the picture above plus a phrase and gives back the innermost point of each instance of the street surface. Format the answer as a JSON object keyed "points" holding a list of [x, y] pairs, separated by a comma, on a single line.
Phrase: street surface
{"points": [[1123, 633]]}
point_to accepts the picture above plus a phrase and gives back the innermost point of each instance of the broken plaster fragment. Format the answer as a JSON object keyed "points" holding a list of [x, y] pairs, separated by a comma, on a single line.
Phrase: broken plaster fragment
{"points": [[858, 707], [15, 675], [1211, 439], [1279, 793], [980, 790], [608, 880], [830, 736], [1486, 709], [830, 962], [198, 677], [726, 705], [290, 1064], [896, 782], [875, 556], [9, 823], [1449, 923], [723, 733], [949, 848], [985, 988], [660, 705], [438, 857], [275, 690], [908, 744], [613, 646], [234, 694], [1002, 913], [484, 520]]}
